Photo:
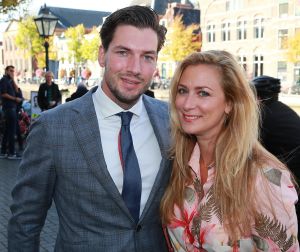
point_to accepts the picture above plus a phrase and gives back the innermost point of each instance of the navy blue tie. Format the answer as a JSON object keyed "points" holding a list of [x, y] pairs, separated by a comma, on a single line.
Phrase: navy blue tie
{"points": [[132, 182]]}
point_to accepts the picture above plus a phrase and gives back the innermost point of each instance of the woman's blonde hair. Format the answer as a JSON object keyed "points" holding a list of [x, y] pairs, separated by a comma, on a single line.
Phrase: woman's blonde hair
{"points": [[238, 154]]}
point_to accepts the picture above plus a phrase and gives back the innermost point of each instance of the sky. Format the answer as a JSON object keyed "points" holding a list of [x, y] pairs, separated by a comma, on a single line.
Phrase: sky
{"points": [[99, 5]]}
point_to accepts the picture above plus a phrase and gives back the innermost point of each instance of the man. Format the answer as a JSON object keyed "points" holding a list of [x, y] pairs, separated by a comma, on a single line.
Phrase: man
{"points": [[74, 157], [280, 128], [9, 107], [49, 95]]}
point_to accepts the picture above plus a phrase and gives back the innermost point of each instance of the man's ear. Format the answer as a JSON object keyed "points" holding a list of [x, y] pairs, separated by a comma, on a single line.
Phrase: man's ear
{"points": [[101, 56]]}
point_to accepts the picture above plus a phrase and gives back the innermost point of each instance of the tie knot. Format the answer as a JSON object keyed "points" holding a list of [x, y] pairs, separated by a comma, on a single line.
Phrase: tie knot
{"points": [[125, 117]]}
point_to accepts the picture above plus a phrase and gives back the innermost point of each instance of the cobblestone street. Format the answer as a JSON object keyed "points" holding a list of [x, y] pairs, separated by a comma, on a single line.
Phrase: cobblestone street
{"points": [[8, 172]]}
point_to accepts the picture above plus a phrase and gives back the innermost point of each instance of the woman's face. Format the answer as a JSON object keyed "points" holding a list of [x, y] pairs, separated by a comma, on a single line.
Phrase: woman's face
{"points": [[200, 101]]}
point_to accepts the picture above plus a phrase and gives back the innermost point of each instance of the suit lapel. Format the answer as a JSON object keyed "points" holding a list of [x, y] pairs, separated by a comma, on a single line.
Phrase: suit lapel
{"points": [[160, 124], [85, 125]]}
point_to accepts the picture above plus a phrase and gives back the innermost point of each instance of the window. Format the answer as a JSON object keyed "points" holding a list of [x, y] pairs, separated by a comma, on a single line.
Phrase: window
{"points": [[297, 73], [283, 39], [283, 9], [297, 8], [241, 29], [211, 33], [163, 70], [225, 32], [282, 70], [242, 59], [258, 65], [233, 5], [258, 27]]}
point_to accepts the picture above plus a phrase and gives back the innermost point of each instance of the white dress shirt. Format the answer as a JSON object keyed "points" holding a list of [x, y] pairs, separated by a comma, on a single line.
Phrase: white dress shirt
{"points": [[143, 137]]}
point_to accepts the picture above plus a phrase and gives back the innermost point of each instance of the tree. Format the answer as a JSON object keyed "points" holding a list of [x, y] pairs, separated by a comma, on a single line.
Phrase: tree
{"points": [[10, 8], [90, 45], [28, 39], [75, 36], [293, 53], [82, 47], [180, 41]]}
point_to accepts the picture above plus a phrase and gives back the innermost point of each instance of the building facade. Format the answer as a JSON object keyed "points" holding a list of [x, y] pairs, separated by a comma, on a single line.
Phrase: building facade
{"points": [[25, 64], [12, 55], [256, 32]]}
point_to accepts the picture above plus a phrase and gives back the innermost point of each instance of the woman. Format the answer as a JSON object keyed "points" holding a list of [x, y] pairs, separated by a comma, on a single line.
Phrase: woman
{"points": [[226, 193]]}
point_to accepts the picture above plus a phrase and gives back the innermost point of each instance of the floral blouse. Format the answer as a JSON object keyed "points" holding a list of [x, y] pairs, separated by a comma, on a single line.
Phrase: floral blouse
{"points": [[200, 229]]}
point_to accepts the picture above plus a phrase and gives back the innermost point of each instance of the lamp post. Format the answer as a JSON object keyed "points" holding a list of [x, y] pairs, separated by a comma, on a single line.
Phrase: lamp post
{"points": [[45, 24]]}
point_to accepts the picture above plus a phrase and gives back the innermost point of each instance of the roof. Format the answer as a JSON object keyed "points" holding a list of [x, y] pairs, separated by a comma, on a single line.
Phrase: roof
{"points": [[189, 16], [159, 6], [73, 17]]}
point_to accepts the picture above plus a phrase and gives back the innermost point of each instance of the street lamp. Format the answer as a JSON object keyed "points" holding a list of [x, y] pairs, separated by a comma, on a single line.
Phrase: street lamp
{"points": [[46, 23]]}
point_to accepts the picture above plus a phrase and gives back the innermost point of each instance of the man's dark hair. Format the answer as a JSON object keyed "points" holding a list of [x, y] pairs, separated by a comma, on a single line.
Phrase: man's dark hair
{"points": [[137, 16], [267, 87], [9, 67]]}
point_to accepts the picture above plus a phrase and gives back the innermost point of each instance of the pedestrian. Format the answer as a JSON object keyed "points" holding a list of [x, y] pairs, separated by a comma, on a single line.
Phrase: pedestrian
{"points": [[280, 126], [19, 109], [80, 91], [49, 95], [226, 192], [105, 174], [9, 107]]}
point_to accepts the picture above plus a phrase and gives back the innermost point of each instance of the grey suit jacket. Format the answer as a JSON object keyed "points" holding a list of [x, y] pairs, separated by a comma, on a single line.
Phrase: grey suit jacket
{"points": [[64, 161]]}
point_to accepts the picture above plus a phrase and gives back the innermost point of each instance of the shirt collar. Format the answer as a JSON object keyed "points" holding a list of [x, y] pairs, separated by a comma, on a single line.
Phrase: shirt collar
{"points": [[108, 108]]}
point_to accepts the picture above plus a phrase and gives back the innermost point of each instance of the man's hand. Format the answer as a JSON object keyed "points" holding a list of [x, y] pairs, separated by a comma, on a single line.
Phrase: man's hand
{"points": [[18, 100]]}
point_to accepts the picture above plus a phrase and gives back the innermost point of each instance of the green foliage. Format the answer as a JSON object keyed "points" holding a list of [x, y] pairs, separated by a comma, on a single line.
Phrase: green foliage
{"points": [[90, 46], [10, 5], [28, 39], [75, 36], [293, 53], [13, 9], [180, 41], [82, 47]]}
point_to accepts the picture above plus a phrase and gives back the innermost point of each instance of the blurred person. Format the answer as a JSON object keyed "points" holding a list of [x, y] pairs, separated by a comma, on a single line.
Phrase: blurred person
{"points": [[150, 93], [80, 91], [71, 76], [49, 95], [10, 102], [107, 198], [86, 74], [19, 109], [226, 192], [280, 126]]}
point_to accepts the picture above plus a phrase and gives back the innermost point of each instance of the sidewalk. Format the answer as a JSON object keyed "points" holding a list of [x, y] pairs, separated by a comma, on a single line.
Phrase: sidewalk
{"points": [[8, 172]]}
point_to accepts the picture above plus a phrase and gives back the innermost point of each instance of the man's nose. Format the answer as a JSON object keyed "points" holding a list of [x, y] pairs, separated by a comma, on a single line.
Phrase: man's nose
{"points": [[134, 64]]}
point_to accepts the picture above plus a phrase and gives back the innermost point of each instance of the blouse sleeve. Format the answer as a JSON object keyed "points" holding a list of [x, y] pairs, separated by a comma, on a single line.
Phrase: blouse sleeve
{"points": [[277, 227]]}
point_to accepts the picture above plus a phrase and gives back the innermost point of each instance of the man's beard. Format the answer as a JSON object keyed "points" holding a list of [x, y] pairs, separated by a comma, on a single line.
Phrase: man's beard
{"points": [[121, 96]]}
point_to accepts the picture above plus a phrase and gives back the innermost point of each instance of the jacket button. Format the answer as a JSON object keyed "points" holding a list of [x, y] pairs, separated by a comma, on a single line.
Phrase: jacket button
{"points": [[138, 228]]}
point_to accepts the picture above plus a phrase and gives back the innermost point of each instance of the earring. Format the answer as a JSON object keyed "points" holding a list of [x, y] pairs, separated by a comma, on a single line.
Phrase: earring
{"points": [[226, 119]]}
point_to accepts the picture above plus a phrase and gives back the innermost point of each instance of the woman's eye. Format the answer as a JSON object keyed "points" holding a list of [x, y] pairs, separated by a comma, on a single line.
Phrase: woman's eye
{"points": [[203, 93], [181, 91]]}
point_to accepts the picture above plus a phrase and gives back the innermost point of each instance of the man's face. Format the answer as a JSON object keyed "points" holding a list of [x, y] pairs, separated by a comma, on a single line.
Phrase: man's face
{"points": [[48, 78], [10, 72], [129, 62]]}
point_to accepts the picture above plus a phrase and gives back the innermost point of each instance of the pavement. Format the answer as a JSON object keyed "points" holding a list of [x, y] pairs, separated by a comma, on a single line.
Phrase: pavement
{"points": [[8, 172]]}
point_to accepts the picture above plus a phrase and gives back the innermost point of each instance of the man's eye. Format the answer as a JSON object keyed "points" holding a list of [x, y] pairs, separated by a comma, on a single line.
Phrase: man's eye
{"points": [[203, 93], [122, 53], [149, 58]]}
